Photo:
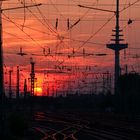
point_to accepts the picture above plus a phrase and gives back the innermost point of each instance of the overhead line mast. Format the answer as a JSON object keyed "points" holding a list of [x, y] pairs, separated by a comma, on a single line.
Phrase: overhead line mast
{"points": [[116, 46]]}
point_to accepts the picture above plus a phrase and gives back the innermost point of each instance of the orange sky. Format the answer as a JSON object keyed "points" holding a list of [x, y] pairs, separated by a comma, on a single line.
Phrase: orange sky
{"points": [[34, 29]]}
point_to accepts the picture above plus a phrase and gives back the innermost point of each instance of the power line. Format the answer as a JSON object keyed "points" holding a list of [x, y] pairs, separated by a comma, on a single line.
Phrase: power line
{"points": [[130, 5], [43, 32], [93, 35], [15, 8], [75, 5], [22, 30], [49, 28], [97, 31], [31, 28], [44, 18], [14, 35]]}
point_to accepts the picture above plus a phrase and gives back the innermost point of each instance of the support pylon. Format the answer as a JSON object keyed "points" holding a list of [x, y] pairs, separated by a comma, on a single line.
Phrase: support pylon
{"points": [[117, 46], [25, 88], [10, 83]]}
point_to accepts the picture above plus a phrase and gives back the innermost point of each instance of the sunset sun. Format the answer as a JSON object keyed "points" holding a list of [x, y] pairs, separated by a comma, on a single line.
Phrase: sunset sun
{"points": [[38, 91]]}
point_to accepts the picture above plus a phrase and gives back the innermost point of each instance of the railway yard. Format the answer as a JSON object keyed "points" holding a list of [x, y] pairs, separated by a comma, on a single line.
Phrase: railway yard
{"points": [[97, 126]]}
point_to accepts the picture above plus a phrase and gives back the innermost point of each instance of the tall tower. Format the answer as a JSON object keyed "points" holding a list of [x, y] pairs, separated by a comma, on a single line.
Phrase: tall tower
{"points": [[117, 46], [32, 75]]}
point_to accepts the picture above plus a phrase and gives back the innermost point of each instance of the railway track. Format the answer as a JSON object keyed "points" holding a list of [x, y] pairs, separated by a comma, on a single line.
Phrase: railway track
{"points": [[53, 126]]}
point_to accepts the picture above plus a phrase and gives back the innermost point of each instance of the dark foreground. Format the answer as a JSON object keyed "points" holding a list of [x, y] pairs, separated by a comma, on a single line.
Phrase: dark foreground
{"points": [[84, 126], [38, 120]]}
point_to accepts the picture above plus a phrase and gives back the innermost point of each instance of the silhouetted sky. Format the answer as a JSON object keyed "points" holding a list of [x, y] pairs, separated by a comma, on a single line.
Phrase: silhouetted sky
{"points": [[34, 30]]}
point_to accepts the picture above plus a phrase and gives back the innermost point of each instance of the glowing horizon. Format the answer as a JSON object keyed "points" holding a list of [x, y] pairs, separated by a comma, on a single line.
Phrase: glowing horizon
{"points": [[61, 50]]}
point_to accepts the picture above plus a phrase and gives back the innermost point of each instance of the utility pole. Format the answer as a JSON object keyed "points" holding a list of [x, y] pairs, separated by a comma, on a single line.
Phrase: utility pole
{"points": [[25, 89], [126, 69], [32, 75], [10, 83], [17, 90], [117, 46]]}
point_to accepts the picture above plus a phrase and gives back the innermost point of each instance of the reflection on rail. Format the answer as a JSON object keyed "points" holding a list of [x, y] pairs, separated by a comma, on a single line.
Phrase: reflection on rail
{"points": [[66, 126]]}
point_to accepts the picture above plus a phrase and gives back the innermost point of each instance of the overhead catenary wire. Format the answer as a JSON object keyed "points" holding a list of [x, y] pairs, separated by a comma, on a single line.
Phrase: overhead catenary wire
{"points": [[54, 30], [131, 4], [48, 26], [31, 28], [22, 30], [110, 18], [14, 35], [87, 41], [92, 35], [58, 35], [105, 24], [57, 10], [43, 32], [97, 31], [45, 19], [75, 22], [74, 4]]}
